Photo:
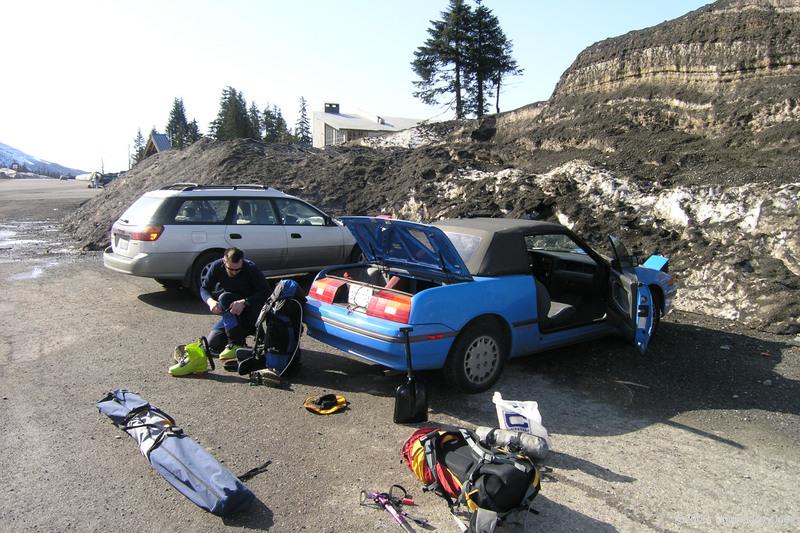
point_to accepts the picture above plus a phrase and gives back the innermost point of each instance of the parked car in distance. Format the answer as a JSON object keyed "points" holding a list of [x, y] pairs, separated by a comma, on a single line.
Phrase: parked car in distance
{"points": [[480, 291], [174, 233]]}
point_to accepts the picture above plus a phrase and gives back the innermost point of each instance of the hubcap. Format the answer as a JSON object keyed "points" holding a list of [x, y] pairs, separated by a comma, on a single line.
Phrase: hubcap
{"points": [[481, 359], [205, 270]]}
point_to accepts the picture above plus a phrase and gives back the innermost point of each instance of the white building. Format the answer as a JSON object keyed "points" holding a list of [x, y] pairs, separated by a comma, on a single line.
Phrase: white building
{"points": [[331, 127]]}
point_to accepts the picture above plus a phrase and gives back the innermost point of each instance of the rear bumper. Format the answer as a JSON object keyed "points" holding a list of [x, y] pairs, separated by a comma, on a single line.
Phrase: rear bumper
{"points": [[379, 341], [167, 266]]}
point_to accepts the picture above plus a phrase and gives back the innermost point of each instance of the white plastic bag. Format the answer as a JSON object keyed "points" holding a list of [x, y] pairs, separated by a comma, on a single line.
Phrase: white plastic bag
{"points": [[520, 416]]}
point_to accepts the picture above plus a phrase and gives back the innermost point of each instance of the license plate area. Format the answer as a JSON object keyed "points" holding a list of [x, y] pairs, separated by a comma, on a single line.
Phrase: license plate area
{"points": [[358, 296], [121, 242]]}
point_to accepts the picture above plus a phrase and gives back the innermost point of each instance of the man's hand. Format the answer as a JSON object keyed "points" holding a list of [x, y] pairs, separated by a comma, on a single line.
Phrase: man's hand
{"points": [[214, 306], [237, 307]]}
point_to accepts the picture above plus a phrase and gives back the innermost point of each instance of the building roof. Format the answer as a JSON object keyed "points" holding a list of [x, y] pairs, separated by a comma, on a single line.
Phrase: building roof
{"points": [[161, 141], [346, 121]]}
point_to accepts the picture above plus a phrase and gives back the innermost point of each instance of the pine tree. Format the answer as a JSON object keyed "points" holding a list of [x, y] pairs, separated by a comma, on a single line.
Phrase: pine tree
{"points": [[233, 121], [506, 65], [138, 147], [275, 128], [256, 121], [489, 58], [193, 133], [465, 57], [302, 128], [177, 128], [441, 62]]}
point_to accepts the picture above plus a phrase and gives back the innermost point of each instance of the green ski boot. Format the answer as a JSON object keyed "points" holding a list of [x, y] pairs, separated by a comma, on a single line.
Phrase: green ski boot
{"points": [[229, 352], [194, 361]]}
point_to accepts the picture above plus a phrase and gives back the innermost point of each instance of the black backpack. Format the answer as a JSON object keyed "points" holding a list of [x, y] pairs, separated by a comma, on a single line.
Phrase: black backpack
{"points": [[458, 468]]}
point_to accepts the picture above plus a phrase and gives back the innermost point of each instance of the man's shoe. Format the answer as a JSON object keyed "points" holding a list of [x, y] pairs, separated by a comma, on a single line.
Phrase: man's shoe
{"points": [[229, 352]]}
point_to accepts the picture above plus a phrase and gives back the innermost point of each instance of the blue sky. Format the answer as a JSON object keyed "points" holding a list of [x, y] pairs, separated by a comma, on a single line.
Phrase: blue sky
{"points": [[80, 77]]}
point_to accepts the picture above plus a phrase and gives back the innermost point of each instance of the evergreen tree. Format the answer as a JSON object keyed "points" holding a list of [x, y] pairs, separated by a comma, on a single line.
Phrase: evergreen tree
{"points": [[506, 65], [256, 121], [465, 58], [489, 58], [302, 129], [138, 147], [193, 133], [233, 121], [177, 129], [275, 128], [440, 62]]}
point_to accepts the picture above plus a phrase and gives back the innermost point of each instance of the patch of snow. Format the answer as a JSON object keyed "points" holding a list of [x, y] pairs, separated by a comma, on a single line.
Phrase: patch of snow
{"points": [[410, 138]]}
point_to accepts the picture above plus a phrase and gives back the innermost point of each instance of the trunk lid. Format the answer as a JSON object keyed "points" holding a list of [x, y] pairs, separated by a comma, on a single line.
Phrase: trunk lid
{"points": [[408, 245]]}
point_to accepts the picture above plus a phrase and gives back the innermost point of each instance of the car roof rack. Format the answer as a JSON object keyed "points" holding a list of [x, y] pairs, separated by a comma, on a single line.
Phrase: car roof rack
{"points": [[180, 186], [193, 186]]}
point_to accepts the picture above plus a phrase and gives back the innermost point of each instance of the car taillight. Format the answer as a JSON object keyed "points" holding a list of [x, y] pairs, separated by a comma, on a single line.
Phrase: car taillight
{"points": [[390, 306], [149, 233], [325, 289]]}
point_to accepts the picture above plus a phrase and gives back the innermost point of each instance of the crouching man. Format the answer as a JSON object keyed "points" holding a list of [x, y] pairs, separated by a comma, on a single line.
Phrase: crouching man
{"points": [[235, 288]]}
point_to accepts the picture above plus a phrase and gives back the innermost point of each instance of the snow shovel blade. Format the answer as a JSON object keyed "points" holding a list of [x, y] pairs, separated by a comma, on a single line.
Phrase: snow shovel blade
{"points": [[410, 398], [410, 402]]}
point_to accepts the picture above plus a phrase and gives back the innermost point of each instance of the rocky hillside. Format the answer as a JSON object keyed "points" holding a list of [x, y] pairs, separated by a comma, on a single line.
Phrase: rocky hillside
{"points": [[681, 138]]}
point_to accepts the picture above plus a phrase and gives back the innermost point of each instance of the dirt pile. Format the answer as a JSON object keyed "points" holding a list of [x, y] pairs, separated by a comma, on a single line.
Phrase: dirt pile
{"points": [[682, 139]]}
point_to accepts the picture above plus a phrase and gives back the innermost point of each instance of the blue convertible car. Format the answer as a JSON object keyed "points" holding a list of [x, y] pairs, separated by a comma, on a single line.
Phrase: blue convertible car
{"points": [[479, 291]]}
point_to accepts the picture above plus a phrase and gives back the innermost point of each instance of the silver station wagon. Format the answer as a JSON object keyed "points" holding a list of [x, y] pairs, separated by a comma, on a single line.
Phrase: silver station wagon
{"points": [[174, 233]]}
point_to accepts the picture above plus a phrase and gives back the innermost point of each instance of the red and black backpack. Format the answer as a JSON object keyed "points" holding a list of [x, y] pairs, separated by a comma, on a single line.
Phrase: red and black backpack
{"points": [[455, 466]]}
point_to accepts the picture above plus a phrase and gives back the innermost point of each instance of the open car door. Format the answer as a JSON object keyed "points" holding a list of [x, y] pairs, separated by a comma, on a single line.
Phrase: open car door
{"points": [[629, 303]]}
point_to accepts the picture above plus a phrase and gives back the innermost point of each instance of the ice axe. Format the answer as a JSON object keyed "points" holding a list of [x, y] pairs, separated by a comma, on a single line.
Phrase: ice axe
{"points": [[411, 397]]}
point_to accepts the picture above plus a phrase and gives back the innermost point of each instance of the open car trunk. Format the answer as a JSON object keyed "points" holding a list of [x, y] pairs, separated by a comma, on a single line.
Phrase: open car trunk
{"points": [[356, 287], [403, 259]]}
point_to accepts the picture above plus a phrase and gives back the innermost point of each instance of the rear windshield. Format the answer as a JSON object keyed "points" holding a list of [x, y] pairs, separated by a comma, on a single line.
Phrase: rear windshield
{"points": [[142, 211], [465, 244]]}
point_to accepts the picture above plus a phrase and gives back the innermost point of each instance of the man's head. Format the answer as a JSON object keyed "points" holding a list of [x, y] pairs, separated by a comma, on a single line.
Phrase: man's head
{"points": [[233, 258]]}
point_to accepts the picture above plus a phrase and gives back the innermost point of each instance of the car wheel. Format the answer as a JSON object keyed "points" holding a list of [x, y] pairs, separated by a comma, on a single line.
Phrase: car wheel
{"points": [[477, 357], [170, 284], [201, 266], [357, 256]]}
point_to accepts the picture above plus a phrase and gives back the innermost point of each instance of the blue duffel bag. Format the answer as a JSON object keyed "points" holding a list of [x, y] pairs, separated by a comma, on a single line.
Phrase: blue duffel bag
{"points": [[179, 459]]}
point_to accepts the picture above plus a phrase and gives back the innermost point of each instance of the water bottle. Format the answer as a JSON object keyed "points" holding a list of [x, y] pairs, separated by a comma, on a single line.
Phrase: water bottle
{"points": [[529, 445]]}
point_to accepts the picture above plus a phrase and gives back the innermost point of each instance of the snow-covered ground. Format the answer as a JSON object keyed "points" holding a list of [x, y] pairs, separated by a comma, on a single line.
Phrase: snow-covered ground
{"points": [[745, 235]]}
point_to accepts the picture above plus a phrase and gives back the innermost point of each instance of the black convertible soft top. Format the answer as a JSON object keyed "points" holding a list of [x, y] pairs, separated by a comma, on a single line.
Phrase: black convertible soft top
{"points": [[501, 251]]}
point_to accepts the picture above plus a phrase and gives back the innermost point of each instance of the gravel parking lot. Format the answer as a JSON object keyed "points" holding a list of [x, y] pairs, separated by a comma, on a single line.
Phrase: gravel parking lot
{"points": [[701, 433]]}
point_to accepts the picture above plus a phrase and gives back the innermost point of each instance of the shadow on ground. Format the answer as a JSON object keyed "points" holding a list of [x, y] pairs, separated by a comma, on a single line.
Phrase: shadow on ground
{"points": [[175, 300], [687, 368]]}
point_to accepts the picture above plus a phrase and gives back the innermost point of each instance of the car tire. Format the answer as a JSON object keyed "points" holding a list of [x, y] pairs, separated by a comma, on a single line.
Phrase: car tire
{"points": [[200, 267], [357, 256], [477, 357], [170, 284]]}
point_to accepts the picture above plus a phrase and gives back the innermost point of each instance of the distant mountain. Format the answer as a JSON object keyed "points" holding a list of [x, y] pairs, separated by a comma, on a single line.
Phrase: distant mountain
{"points": [[10, 155]]}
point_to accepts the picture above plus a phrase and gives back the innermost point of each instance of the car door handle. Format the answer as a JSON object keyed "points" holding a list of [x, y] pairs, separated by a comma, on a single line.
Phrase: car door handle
{"points": [[235, 236], [296, 236]]}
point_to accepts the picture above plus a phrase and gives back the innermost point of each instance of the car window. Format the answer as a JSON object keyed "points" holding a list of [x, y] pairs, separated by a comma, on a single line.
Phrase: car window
{"points": [[294, 213], [555, 242], [465, 244], [142, 211], [256, 211], [202, 211]]}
